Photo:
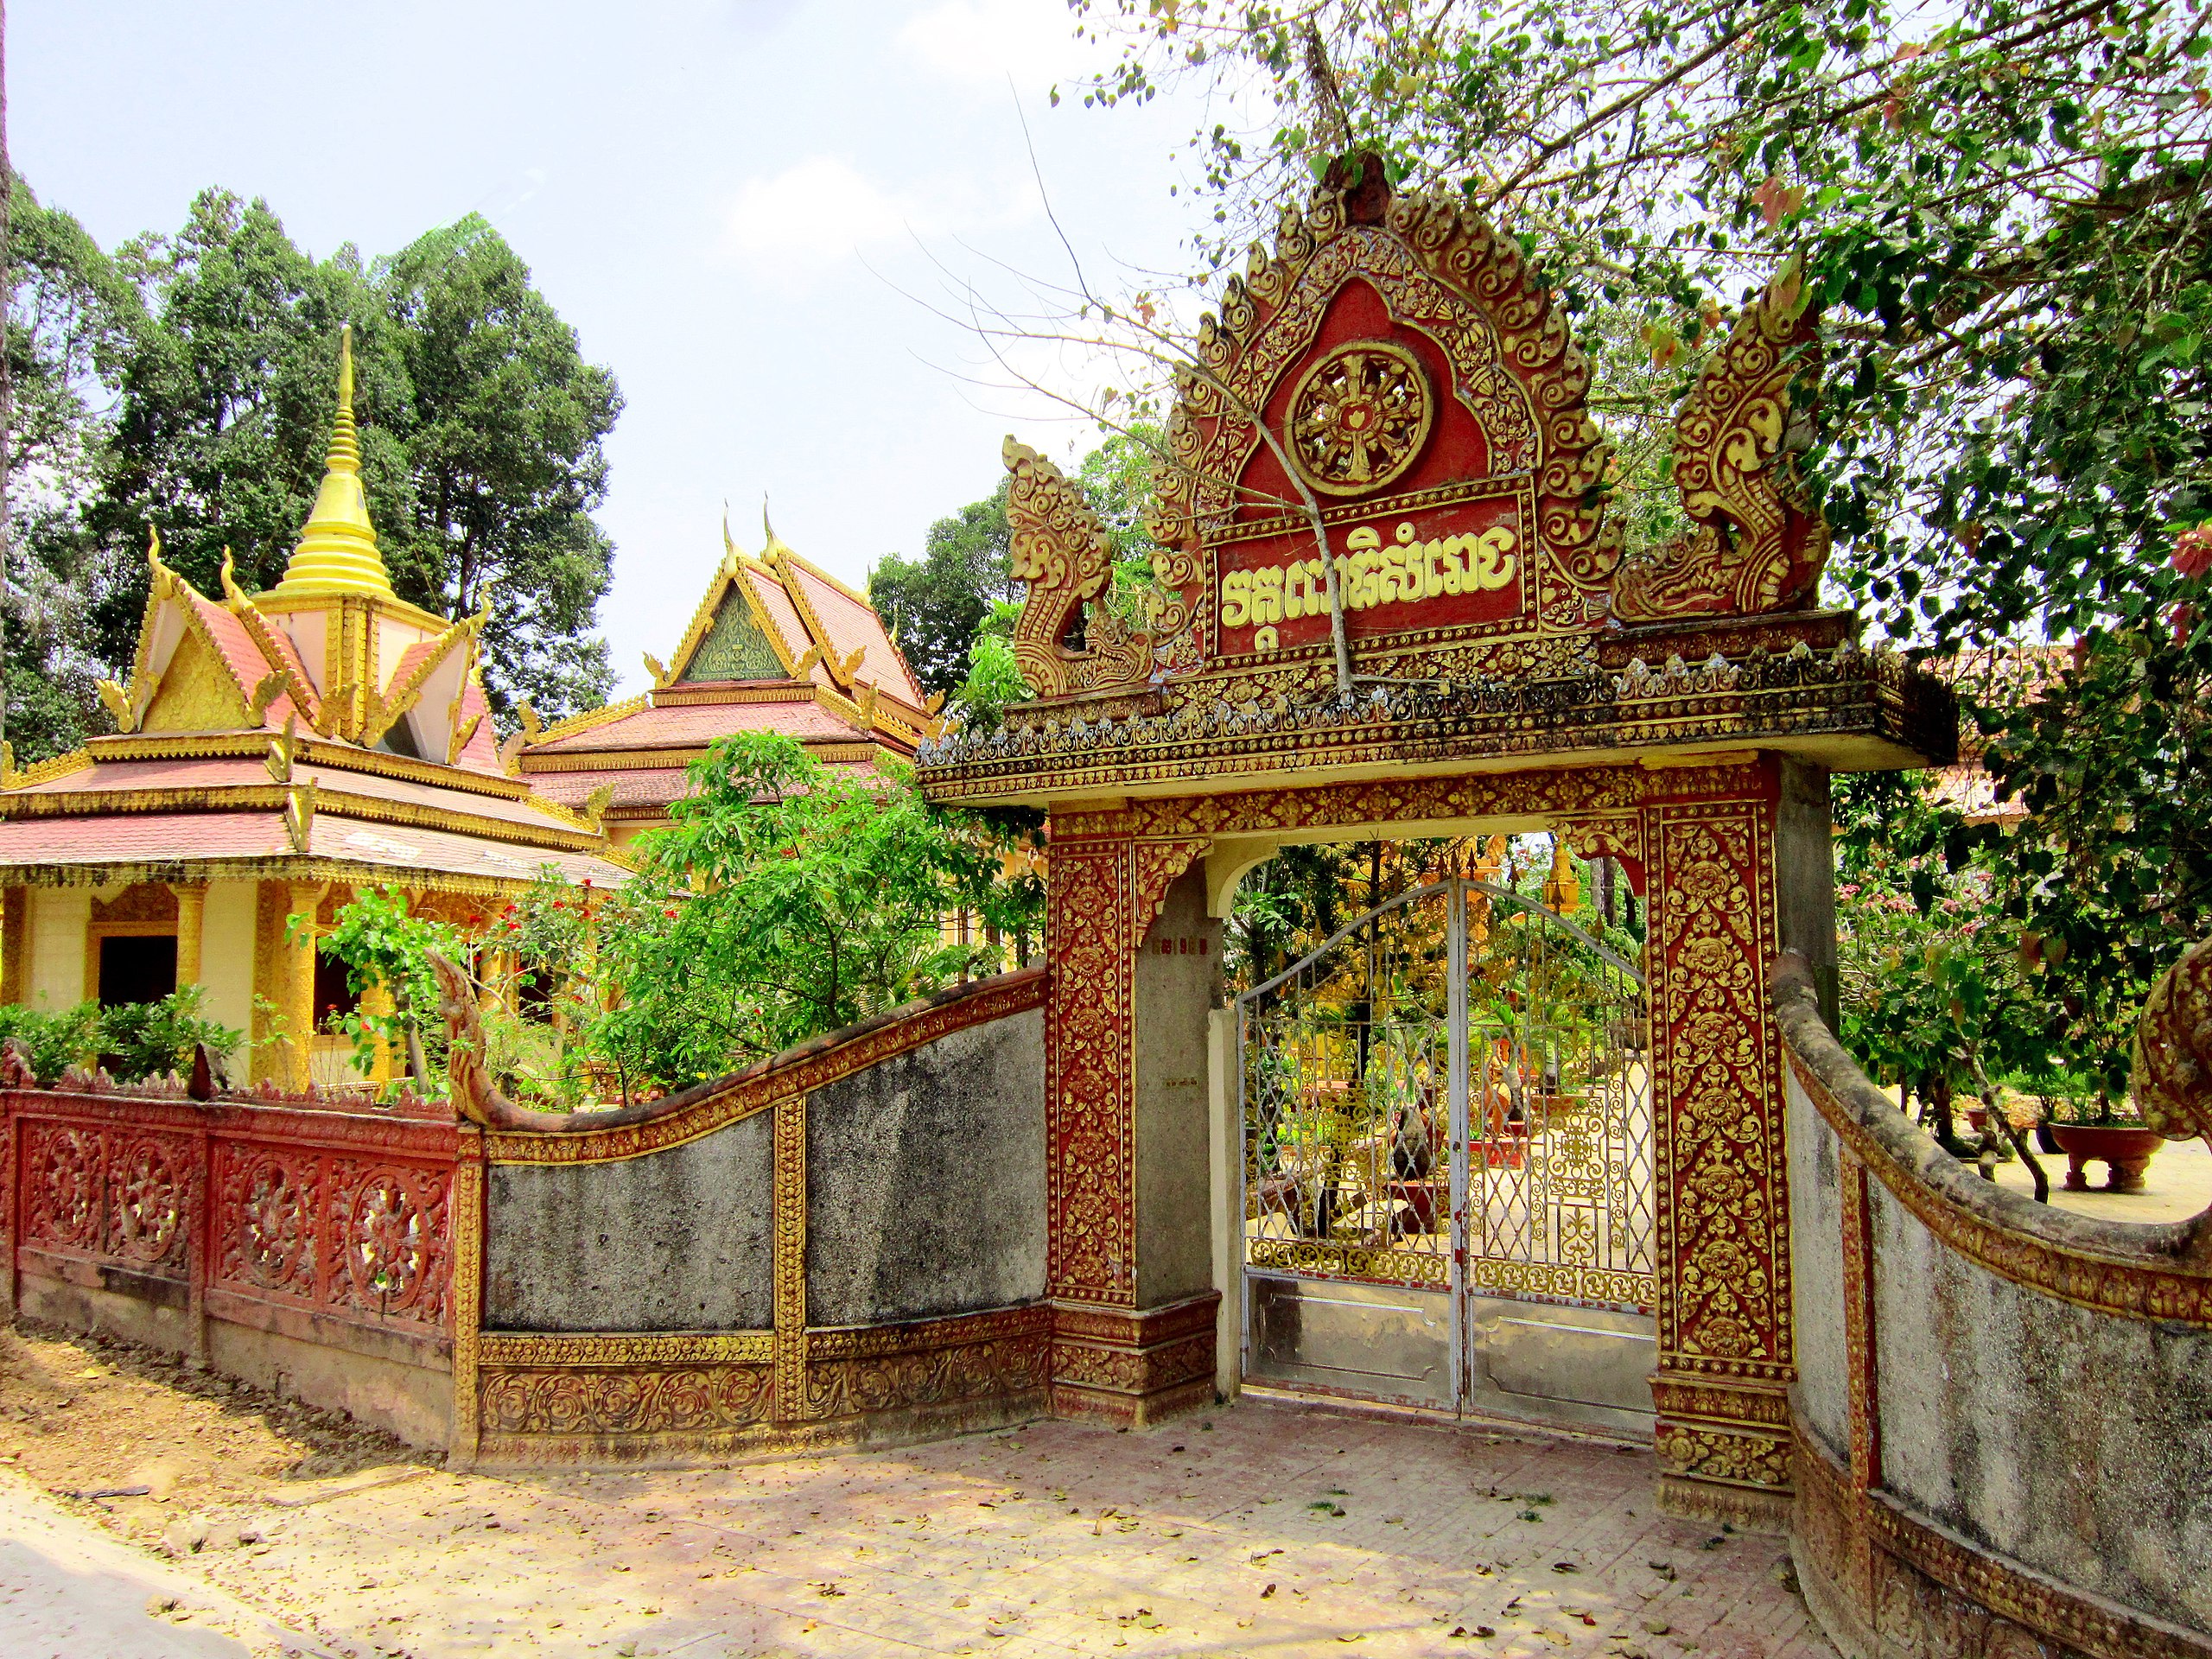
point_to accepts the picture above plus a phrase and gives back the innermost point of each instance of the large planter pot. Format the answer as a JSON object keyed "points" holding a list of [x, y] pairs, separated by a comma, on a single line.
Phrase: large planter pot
{"points": [[2125, 1153]]}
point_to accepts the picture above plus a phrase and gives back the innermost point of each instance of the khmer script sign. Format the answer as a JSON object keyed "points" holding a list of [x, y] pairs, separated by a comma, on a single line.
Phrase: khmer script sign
{"points": [[1404, 565]]}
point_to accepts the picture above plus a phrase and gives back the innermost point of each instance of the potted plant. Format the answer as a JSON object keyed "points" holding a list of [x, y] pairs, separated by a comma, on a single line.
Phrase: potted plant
{"points": [[2100, 1133]]}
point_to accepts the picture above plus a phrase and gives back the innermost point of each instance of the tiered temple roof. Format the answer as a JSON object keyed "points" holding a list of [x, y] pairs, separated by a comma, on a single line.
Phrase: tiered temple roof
{"points": [[325, 730], [776, 644]]}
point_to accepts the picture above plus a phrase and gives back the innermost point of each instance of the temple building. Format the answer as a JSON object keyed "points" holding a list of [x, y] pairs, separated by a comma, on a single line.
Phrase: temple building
{"points": [[274, 752], [776, 645]]}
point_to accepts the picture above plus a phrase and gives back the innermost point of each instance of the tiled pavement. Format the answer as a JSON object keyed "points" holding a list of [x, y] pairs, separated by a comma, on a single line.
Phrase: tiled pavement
{"points": [[1260, 1528]]}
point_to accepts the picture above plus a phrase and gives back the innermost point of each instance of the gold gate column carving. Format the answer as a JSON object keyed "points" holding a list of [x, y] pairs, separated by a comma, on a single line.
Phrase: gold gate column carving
{"points": [[1724, 1312], [1112, 1356]]}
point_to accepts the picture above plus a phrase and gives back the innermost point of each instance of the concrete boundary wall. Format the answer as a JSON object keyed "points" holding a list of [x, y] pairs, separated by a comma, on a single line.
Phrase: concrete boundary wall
{"points": [[2003, 1420], [844, 1245]]}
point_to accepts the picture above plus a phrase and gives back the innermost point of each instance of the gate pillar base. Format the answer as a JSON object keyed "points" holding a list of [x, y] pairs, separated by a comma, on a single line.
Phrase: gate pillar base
{"points": [[1747, 1508], [1132, 1367], [1723, 1454]]}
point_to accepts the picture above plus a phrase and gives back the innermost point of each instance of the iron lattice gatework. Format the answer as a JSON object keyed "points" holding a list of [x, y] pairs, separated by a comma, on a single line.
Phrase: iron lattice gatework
{"points": [[1459, 1076]]}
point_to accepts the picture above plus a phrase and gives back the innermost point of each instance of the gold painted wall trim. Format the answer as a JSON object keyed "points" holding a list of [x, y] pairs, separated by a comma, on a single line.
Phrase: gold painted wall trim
{"points": [[789, 1235], [261, 797], [2133, 1270], [812, 1065], [283, 866], [254, 742], [468, 1294], [589, 1349]]}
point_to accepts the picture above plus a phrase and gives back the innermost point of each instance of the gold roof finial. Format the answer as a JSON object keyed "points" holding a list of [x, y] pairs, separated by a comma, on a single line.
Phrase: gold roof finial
{"points": [[338, 554]]}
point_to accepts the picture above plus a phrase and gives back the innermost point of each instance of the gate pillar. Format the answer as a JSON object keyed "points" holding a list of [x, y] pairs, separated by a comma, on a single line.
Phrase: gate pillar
{"points": [[1135, 960], [1733, 874]]}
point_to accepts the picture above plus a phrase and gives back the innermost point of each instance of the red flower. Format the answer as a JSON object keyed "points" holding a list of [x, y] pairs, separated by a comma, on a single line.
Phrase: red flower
{"points": [[670, 914], [2193, 550]]}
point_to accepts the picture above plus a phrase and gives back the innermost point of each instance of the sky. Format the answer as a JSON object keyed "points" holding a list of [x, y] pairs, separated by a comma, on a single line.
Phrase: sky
{"points": [[746, 208]]}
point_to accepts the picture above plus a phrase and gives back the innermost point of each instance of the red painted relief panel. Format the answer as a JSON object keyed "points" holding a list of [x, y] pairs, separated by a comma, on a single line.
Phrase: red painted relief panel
{"points": [[1091, 1253], [1724, 1307], [109, 1194]]}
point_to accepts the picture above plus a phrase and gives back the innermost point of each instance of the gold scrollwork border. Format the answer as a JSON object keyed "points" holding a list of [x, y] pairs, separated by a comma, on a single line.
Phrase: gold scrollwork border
{"points": [[2139, 1289], [812, 1065]]}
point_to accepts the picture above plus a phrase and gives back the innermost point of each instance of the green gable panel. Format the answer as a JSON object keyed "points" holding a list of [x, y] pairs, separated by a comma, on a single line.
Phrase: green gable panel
{"points": [[734, 648]]}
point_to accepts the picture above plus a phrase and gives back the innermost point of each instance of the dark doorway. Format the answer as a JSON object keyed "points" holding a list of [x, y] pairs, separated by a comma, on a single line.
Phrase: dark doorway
{"points": [[333, 995], [136, 967]]}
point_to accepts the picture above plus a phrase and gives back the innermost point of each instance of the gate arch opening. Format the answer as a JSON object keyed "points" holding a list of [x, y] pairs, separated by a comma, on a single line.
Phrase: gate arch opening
{"points": [[1445, 1185]]}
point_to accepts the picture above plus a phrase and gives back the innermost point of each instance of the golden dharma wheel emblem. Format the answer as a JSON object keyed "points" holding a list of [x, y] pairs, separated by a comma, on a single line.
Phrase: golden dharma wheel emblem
{"points": [[1359, 416]]}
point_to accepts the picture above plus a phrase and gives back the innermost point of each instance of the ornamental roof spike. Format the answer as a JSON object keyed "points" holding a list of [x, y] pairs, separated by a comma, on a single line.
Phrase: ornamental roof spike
{"points": [[338, 552]]}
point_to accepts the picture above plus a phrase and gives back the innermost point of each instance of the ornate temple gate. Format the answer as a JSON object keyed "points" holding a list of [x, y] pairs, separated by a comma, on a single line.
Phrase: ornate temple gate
{"points": [[1392, 605], [1446, 1179]]}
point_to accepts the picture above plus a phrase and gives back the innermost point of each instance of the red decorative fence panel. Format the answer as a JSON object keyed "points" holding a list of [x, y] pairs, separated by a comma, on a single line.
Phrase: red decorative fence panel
{"points": [[283, 1216]]}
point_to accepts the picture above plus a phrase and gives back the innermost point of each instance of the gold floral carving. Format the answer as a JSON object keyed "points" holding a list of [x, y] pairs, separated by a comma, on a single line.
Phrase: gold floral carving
{"points": [[1089, 1109], [1931, 1593], [900, 1368], [1438, 268], [1158, 864], [1701, 1452], [1359, 417], [1603, 798], [790, 1254], [1756, 541], [2172, 1081], [1724, 1309], [466, 1296], [625, 1350], [1861, 1384], [630, 1401], [1060, 553]]}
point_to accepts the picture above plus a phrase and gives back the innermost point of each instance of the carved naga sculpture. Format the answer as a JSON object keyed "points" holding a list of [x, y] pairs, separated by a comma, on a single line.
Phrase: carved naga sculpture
{"points": [[1756, 543], [2172, 1072], [1060, 551], [475, 1097]]}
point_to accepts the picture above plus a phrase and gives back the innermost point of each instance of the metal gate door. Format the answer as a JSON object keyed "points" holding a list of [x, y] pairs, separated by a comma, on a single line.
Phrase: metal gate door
{"points": [[1448, 1176]]}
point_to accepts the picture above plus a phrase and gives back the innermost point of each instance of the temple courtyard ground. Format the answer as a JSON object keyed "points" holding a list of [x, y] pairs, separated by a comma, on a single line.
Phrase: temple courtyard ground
{"points": [[1262, 1528]]}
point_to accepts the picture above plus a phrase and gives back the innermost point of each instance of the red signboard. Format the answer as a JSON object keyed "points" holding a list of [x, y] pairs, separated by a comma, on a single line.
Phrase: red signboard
{"points": [[1401, 569]]}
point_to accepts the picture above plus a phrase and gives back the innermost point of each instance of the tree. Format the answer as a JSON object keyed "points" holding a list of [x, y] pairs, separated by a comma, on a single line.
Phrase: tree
{"points": [[64, 297], [502, 433], [1999, 212], [480, 429], [937, 603], [785, 900]]}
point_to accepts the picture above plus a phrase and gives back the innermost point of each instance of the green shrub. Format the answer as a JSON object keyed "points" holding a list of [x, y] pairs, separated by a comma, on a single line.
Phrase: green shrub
{"points": [[137, 1040]]}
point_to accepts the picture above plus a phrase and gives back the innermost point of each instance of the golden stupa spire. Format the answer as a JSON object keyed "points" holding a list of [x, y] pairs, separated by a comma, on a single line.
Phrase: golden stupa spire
{"points": [[338, 554]]}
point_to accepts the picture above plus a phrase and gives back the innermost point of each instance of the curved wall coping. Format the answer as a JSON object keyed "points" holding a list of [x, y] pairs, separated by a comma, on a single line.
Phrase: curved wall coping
{"points": [[2135, 1270], [518, 1136]]}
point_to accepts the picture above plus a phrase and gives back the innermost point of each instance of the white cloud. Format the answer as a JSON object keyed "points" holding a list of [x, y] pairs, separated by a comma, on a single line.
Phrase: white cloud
{"points": [[823, 211], [817, 212], [979, 40]]}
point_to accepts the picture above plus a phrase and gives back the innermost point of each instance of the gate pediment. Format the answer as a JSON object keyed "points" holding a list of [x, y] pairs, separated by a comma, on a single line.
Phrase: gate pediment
{"points": [[1383, 432]]}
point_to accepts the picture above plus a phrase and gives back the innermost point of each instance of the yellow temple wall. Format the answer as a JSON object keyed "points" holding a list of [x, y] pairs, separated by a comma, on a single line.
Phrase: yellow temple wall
{"points": [[226, 958], [60, 917], [15, 935]]}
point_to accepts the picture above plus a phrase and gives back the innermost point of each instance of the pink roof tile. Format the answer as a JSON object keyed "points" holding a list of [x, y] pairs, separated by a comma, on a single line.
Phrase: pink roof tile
{"points": [[481, 752], [693, 725], [205, 772], [647, 786], [243, 658], [784, 615], [140, 837], [852, 625]]}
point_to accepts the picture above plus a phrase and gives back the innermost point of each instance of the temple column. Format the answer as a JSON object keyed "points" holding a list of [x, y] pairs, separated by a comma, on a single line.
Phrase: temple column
{"points": [[1732, 876], [1128, 1265], [305, 899], [190, 923]]}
